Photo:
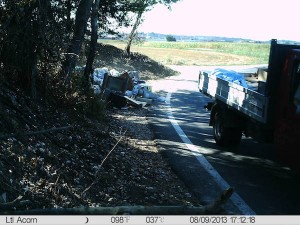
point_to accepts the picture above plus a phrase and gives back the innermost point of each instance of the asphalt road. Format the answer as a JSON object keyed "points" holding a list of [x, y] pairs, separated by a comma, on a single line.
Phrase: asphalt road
{"points": [[262, 186]]}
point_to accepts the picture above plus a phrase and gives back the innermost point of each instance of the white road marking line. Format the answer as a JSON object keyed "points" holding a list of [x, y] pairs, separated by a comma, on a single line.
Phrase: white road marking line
{"points": [[236, 199]]}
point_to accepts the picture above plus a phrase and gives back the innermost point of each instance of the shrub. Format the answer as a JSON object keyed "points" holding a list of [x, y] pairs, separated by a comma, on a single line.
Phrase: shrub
{"points": [[170, 38]]}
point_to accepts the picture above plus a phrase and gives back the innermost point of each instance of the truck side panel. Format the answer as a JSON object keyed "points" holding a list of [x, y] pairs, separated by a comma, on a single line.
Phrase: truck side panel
{"points": [[246, 101]]}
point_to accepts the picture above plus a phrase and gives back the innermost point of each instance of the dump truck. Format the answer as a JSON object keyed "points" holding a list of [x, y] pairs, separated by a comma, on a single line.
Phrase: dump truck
{"points": [[263, 104]]}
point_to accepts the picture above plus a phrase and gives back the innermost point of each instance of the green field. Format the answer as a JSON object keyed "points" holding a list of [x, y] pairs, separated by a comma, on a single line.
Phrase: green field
{"points": [[200, 53]]}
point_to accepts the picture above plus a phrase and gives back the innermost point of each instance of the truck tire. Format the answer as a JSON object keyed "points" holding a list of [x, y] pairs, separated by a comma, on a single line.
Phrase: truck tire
{"points": [[225, 136]]}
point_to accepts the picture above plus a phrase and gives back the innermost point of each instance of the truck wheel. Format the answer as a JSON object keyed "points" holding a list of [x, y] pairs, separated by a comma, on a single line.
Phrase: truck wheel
{"points": [[225, 136]]}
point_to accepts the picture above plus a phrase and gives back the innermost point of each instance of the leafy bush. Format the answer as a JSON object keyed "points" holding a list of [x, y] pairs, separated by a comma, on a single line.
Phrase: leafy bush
{"points": [[170, 38]]}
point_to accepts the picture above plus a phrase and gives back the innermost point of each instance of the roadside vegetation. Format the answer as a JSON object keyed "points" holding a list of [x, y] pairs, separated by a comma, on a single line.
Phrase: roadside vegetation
{"points": [[200, 53], [61, 145], [73, 150]]}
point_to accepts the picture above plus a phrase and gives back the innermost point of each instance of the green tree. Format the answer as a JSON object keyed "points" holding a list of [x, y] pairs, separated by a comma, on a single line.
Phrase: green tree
{"points": [[82, 15], [139, 8], [40, 39], [103, 13], [170, 38], [94, 38], [29, 40]]}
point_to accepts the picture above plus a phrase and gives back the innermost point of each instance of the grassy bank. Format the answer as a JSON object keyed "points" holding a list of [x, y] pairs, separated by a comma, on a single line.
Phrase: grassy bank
{"points": [[201, 53]]}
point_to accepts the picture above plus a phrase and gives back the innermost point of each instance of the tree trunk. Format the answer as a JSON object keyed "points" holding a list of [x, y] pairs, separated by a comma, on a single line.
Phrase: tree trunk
{"points": [[82, 16], [68, 13], [132, 33], [28, 72], [34, 72], [93, 42]]}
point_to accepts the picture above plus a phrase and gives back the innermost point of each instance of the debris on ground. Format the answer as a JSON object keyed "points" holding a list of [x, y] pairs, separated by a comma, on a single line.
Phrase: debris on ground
{"points": [[122, 89]]}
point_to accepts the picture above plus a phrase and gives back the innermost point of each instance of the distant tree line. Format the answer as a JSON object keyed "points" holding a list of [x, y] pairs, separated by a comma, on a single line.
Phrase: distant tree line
{"points": [[41, 40]]}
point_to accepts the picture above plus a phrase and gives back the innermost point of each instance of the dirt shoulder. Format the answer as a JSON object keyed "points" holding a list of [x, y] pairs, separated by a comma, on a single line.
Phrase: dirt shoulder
{"points": [[86, 163]]}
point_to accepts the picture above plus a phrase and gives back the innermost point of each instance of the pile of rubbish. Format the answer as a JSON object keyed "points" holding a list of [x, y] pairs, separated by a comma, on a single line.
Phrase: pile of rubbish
{"points": [[123, 89]]}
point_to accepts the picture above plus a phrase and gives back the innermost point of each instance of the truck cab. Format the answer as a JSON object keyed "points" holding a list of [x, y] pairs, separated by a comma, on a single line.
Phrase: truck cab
{"points": [[287, 128]]}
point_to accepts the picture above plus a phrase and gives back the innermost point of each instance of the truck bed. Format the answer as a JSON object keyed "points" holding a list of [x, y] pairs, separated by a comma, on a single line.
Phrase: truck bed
{"points": [[248, 101]]}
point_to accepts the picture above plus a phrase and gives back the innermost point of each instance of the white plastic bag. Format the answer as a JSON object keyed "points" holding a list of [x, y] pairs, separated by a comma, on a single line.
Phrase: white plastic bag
{"points": [[98, 75]]}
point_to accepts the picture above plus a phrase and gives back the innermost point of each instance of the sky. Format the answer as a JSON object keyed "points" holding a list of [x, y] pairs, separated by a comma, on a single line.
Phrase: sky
{"points": [[255, 19]]}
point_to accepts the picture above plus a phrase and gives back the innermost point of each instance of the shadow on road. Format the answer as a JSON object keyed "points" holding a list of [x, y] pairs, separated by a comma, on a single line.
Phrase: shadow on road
{"points": [[251, 167]]}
